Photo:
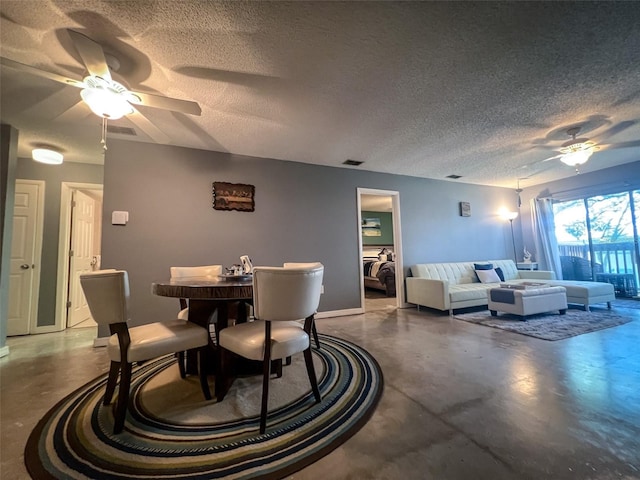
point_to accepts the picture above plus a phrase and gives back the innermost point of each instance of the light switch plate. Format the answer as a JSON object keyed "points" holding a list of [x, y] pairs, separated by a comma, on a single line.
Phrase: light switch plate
{"points": [[119, 218]]}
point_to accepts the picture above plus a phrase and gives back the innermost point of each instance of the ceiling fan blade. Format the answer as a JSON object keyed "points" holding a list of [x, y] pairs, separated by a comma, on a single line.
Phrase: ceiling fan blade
{"points": [[612, 146], [41, 73], [252, 80], [551, 158], [92, 55], [167, 103], [617, 128], [147, 127], [75, 113]]}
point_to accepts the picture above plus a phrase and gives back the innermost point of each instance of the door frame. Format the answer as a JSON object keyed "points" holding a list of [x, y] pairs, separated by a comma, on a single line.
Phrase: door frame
{"points": [[64, 239], [397, 242], [37, 255]]}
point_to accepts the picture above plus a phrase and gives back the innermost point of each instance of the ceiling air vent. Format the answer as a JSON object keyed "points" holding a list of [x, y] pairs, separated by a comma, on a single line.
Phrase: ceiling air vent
{"points": [[353, 163], [455, 177], [121, 130]]}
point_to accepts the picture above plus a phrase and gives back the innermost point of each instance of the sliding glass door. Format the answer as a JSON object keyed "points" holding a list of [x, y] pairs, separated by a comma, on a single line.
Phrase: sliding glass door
{"points": [[598, 239]]}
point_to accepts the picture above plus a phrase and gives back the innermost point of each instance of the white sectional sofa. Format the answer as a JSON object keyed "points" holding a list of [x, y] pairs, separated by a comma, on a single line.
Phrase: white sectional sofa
{"points": [[449, 286]]}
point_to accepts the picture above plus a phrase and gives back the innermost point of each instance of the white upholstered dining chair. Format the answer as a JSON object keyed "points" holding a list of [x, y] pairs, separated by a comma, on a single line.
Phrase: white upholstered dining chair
{"points": [[280, 297], [305, 265], [187, 273], [107, 294]]}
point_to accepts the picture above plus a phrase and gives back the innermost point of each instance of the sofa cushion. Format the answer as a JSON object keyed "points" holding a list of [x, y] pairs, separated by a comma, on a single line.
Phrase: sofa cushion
{"points": [[582, 288], [509, 269], [500, 274], [468, 292], [454, 273]]}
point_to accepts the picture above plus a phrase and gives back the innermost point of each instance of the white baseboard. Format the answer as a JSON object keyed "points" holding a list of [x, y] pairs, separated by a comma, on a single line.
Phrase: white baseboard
{"points": [[340, 313], [4, 351], [100, 341]]}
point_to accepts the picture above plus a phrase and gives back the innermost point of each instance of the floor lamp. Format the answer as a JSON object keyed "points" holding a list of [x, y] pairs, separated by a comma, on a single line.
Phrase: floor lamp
{"points": [[511, 216]]}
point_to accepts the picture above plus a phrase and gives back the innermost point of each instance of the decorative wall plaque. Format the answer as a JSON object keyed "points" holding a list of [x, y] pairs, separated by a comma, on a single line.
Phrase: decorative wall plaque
{"points": [[233, 196], [465, 209]]}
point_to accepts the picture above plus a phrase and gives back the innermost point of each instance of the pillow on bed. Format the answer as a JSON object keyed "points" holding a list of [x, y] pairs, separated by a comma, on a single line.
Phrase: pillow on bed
{"points": [[488, 276]]}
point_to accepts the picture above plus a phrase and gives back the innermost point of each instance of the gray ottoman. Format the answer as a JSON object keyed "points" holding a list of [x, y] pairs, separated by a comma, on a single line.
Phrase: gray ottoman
{"points": [[527, 301]]}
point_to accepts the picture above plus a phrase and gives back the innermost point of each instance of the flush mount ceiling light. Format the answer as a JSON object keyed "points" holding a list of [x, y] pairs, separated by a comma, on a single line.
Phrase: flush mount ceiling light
{"points": [[577, 150], [45, 155]]}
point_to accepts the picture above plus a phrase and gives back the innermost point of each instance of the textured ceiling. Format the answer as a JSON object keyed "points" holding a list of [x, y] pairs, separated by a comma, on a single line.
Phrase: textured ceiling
{"points": [[482, 90]]}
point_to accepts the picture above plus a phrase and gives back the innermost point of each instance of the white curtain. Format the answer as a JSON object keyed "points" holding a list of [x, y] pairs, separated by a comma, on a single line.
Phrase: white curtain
{"points": [[544, 228]]}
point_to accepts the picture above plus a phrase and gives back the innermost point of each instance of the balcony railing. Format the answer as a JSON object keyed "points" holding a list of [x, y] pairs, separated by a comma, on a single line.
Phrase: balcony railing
{"points": [[613, 257], [612, 262]]}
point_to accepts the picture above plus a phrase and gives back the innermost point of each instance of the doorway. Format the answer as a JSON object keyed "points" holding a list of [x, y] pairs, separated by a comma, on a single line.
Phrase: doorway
{"points": [[387, 203], [78, 250]]}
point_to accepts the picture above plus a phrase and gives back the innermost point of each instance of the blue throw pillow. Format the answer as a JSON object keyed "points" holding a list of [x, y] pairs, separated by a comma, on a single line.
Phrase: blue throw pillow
{"points": [[500, 274], [483, 266]]}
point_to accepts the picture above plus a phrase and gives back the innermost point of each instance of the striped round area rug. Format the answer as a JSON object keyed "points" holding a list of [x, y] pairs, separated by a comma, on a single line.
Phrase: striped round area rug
{"points": [[171, 432]]}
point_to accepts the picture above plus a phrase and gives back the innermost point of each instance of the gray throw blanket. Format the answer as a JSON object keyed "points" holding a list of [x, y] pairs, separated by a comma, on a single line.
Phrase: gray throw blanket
{"points": [[502, 295], [387, 270]]}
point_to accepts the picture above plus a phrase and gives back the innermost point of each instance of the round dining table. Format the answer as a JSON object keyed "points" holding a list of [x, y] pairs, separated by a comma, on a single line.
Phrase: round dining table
{"points": [[207, 295], [229, 297]]}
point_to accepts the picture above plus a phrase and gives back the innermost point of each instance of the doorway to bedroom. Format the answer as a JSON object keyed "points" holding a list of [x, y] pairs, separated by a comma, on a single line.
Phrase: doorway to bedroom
{"points": [[380, 243]]}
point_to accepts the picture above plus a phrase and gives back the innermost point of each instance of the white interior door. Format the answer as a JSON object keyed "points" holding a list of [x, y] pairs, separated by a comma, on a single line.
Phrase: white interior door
{"points": [[82, 223], [25, 257]]}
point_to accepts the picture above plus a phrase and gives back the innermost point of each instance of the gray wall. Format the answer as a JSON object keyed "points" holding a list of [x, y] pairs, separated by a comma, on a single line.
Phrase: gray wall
{"points": [[8, 160], [53, 176], [303, 212], [610, 180]]}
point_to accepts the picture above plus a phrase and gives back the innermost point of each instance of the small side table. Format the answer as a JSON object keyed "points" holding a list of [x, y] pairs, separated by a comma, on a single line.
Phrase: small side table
{"points": [[527, 266]]}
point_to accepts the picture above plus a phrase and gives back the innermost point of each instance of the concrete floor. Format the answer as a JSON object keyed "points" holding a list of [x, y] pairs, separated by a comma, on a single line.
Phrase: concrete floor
{"points": [[461, 401]]}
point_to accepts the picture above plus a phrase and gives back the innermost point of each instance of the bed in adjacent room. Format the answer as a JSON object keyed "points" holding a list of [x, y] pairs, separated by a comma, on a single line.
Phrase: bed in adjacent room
{"points": [[379, 269]]}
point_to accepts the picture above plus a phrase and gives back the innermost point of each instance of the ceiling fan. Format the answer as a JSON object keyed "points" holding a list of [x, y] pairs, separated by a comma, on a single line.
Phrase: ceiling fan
{"points": [[577, 151], [106, 97]]}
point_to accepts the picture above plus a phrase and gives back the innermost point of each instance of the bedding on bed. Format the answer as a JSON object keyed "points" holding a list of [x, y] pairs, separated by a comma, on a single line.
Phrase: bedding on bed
{"points": [[380, 275]]}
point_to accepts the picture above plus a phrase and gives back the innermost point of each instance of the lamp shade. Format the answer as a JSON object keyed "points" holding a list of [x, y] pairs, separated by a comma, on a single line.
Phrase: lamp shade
{"points": [[507, 215], [45, 155]]}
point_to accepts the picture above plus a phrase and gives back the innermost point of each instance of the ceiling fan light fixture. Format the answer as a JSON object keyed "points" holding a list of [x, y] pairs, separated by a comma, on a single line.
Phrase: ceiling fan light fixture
{"points": [[576, 157], [107, 99], [577, 150], [48, 156]]}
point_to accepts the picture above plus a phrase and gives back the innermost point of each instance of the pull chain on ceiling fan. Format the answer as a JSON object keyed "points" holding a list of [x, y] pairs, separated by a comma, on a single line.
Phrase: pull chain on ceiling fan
{"points": [[518, 192]]}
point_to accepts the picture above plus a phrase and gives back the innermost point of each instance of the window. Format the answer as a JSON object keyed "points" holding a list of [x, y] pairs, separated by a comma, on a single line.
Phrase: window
{"points": [[598, 239]]}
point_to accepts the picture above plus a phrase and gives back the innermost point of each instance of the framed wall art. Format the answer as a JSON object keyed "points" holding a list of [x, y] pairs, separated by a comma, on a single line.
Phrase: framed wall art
{"points": [[465, 209], [233, 196], [371, 227]]}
